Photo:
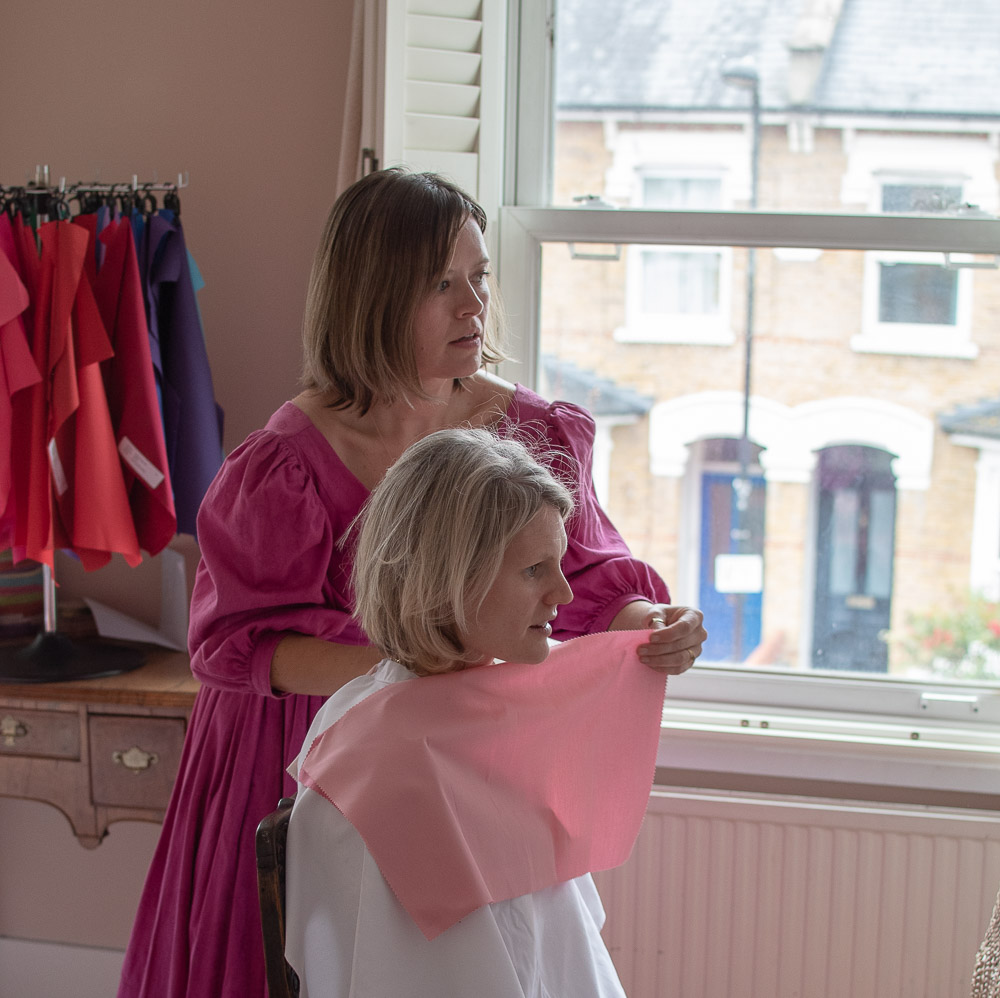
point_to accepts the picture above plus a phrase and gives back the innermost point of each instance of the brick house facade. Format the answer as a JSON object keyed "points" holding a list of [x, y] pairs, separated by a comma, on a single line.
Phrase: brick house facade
{"points": [[835, 370]]}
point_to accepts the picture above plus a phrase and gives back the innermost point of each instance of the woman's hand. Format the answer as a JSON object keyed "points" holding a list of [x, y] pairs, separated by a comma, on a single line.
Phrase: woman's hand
{"points": [[676, 634], [676, 639]]}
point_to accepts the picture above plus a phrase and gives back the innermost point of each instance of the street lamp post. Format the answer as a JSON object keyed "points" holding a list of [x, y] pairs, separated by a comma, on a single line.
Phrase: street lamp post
{"points": [[744, 75]]}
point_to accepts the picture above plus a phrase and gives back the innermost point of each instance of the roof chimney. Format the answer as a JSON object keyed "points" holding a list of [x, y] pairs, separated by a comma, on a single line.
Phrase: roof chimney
{"points": [[811, 33]]}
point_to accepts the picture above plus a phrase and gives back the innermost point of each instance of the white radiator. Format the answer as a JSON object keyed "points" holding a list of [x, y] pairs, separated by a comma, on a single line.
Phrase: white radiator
{"points": [[736, 896]]}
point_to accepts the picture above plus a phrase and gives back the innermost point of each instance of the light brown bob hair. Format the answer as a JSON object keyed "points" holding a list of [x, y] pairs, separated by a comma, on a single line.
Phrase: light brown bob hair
{"points": [[433, 537], [387, 240]]}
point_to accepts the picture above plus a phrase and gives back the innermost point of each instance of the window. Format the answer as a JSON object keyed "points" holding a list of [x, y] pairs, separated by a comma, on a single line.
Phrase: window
{"points": [[677, 294], [917, 303], [813, 120], [852, 336], [917, 293]]}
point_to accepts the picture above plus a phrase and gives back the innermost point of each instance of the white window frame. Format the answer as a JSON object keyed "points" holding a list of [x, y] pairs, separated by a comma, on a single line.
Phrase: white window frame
{"points": [[869, 711], [730, 721], [707, 328], [878, 157], [914, 339], [638, 155]]}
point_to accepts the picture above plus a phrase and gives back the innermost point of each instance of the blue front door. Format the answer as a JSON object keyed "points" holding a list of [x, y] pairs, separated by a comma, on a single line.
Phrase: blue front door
{"points": [[732, 619]]}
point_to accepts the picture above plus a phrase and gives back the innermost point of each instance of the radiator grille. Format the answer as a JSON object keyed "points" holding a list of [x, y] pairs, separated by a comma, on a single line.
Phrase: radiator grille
{"points": [[732, 896]]}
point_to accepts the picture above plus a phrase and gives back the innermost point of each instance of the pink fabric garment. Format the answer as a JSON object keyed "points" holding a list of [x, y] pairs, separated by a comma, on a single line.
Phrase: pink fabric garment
{"points": [[91, 511], [512, 778], [18, 370], [268, 532]]}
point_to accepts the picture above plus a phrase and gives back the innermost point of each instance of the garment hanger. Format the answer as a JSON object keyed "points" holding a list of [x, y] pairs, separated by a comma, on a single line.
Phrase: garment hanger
{"points": [[172, 202], [145, 202]]}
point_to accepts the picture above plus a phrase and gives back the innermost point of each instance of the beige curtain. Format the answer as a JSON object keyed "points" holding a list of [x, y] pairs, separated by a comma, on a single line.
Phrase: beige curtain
{"points": [[349, 165]]}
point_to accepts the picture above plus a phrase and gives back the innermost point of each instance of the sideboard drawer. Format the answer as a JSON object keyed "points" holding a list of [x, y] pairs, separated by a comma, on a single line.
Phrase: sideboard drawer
{"points": [[51, 734], [134, 760]]}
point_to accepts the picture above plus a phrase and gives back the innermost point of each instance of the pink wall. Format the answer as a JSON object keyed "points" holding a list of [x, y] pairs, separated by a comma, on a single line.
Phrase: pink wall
{"points": [[244, 97]]}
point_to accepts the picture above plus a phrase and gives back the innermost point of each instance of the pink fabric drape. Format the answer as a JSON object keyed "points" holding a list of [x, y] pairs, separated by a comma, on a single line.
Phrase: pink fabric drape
{"points": [[496, 782]]}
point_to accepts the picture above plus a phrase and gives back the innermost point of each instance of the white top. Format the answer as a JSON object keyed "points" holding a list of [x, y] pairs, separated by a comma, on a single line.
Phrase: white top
{"points": [[348, 937]]}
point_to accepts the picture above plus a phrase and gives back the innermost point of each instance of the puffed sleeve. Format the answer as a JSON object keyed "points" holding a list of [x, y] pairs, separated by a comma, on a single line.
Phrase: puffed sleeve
{"points": [[270, 564], [598, 565]]}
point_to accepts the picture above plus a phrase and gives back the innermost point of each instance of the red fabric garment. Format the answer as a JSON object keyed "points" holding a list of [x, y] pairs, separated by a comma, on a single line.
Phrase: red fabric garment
{"points": [[32, 485], [18, 371], [93, 518], [130, 383], [512, 778]]}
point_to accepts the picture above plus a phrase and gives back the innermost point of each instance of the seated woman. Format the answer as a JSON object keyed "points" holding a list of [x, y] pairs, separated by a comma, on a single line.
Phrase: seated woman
{"points": [[444, 831]]}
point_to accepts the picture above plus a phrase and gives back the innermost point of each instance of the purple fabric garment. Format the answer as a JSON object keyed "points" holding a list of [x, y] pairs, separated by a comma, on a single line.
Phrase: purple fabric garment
{"points": [[268, 531], [145, 250], [192, 420]]}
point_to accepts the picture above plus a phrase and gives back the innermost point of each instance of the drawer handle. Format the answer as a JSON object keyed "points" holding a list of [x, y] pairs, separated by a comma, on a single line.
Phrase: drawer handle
{"points": [[135, 759], [11, 728]]}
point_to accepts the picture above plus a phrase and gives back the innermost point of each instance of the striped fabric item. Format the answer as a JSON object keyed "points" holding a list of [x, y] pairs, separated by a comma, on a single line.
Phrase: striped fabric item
{"points": [[20, 597]]}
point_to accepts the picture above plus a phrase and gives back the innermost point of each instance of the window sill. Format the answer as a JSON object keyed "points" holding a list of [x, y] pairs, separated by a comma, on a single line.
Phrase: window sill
{"points": [[825, 748], [916, 345], [676, 331]]}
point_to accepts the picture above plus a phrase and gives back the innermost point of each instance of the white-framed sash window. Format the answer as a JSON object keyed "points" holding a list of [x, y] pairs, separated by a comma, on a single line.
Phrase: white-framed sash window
{"points": [[668, 232], [678, 294]]}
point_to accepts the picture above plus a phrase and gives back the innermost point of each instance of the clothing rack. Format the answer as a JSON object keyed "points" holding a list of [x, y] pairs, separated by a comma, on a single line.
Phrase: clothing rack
{"points": [[52, 656], [51, 199], [32, 187], [42, 180]]}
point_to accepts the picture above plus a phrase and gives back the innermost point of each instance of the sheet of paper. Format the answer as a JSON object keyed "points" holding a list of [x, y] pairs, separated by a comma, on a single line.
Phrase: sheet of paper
{"points": [[172, 632], [113, 623]]}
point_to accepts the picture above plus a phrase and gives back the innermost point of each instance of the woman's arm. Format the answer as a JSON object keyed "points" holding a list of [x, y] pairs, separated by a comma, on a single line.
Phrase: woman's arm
{"points": [[302, 664], [612, 589], [271, 612]]}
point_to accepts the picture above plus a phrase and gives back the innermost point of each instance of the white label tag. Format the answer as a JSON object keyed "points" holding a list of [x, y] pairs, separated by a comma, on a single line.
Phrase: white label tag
{"points": [[58, 473], [739, 573], [139, 463]]}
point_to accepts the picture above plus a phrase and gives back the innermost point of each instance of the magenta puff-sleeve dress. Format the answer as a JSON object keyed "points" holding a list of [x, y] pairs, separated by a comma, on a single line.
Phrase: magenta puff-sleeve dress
{"points": [[269, 529]]}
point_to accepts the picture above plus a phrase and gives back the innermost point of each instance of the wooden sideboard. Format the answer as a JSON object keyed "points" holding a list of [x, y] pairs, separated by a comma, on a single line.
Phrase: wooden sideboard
{"points": [[100, 750]]}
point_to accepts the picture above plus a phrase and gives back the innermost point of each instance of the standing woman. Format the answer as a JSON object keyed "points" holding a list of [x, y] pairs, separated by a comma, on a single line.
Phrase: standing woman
{"points": [[397, 333]]}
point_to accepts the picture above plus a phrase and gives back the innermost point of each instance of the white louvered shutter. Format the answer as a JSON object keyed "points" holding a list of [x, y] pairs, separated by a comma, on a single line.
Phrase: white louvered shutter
{"points": [[443, 100]]}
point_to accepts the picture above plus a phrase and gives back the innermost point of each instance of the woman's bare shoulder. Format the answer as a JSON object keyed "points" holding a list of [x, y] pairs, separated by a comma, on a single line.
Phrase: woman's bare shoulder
{"points": [[489, 398]]}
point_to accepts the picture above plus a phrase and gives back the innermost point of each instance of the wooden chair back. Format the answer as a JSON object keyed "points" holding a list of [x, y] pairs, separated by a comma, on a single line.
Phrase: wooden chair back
{"points": [[272, 832]]}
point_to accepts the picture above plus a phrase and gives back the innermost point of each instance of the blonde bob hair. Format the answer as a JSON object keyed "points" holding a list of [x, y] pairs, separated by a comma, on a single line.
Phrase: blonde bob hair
{"points": [[387, 240], [433, 536]]}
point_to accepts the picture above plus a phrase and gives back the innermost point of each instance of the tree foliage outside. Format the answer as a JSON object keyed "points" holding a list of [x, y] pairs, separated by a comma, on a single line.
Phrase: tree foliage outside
{"points": [[960, 641]]}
